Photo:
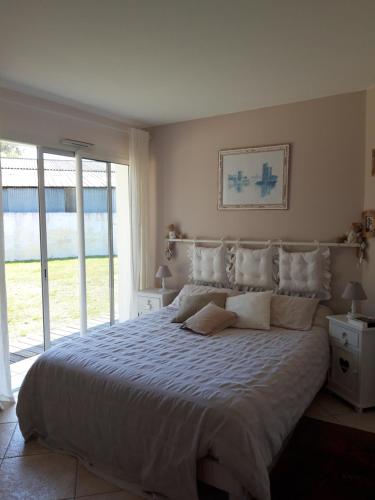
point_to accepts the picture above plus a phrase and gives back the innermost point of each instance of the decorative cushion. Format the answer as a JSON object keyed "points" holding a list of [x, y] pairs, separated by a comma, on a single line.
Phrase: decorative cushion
{"points": [[210, 319], [191, 289], [295, 313], [305, 273], [190, 304], [253, 310], [208, 265], [253, 268], [320, 318]]}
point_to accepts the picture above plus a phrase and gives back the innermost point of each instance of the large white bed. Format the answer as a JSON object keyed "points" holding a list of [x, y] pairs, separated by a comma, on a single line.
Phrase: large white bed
{"points": [[144, 402]]}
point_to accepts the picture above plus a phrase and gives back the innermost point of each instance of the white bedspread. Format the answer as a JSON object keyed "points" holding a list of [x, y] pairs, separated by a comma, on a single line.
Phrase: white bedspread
{"points": [[146, 400]]}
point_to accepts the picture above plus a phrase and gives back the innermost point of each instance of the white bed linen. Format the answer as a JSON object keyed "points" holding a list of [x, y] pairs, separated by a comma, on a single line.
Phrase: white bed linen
{"points": [[145, 400]]}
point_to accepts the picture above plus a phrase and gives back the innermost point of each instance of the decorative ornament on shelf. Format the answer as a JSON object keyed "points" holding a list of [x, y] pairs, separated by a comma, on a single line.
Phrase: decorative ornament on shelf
{"points": [[172, 234], [354, 292], [356, 235]]}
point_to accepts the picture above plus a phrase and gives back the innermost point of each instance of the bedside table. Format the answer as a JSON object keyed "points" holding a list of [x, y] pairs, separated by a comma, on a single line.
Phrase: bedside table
{"points": [[152, 299], [352, 371]]}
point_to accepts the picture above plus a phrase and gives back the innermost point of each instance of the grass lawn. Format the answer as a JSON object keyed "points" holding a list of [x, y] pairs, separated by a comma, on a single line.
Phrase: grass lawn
{"points": [[24, 294]]}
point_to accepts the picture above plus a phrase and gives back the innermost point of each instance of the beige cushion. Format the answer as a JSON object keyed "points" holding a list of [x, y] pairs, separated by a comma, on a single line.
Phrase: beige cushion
{"points": [[210, 319], [191, 289], [253, 310], [320, 317], [295, 313], [190, 304]]}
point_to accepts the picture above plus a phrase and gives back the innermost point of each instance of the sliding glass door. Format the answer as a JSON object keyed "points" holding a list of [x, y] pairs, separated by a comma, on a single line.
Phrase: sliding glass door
{"points": [[60, 215], [59, 193], [97, 256], [19, 174]]}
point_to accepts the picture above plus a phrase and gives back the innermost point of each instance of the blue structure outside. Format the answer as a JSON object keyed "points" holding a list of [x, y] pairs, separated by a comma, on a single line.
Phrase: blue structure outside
{"points": [[25, 199]]}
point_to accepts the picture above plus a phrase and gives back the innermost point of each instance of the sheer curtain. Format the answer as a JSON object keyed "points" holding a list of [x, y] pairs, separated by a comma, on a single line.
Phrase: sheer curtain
{"points": [[5, 383], [139, 217]]}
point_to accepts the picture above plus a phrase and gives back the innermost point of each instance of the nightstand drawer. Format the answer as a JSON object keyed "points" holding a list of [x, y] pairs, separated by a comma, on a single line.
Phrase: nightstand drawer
{"points": [[344, 335], [148, 304], [344, 371]]}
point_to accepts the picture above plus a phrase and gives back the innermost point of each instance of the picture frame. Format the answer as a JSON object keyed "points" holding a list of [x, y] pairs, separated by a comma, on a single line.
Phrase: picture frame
{"points": [[254, 178], [368, 217]]}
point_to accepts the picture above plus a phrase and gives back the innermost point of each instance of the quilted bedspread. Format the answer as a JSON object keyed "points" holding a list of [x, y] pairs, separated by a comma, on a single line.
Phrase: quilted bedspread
{"points": [[145, 400]]}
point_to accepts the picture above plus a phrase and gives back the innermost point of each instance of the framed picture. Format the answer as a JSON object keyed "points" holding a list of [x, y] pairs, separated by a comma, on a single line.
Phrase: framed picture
{"points": [[369, 223], [254, 178]]}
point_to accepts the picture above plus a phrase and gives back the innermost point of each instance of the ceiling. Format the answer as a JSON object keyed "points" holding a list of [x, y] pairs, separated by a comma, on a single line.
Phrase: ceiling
{"points": [[161, 61]]}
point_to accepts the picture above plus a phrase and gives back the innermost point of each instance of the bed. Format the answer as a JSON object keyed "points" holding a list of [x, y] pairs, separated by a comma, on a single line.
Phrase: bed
{"points": [[152, 406]]}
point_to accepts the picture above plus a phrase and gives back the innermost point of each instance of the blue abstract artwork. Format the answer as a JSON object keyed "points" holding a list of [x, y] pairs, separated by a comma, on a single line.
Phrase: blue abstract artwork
{"points": [[268, 181], [254, 178], [238, 181]]}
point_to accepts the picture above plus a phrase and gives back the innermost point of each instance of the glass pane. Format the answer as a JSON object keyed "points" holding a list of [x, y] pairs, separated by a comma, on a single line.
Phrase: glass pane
{"points": [[114, 232], [95, 203], [22, 253], [62, 246]]}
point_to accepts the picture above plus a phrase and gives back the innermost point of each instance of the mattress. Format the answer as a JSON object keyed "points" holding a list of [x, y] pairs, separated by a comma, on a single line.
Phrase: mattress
{"points": [[145, 400]]}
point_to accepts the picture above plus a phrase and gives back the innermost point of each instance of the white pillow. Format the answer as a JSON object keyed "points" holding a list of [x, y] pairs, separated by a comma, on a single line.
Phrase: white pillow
{"points": [[294, 313], [305, 273], [208, 265], [191, 289], [253, 267], [253, 310]]}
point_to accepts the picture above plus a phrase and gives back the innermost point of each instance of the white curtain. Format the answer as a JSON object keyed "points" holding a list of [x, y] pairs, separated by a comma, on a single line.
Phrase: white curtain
{"points": [[5, 382], [139, 217]]}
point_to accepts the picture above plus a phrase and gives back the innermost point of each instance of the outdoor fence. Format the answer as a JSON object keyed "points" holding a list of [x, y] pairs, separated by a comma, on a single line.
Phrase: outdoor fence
{"points": [[22, 235]]}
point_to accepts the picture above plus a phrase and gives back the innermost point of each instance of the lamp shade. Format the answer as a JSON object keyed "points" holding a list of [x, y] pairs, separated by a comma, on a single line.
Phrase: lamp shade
{"points": [[163, 272], [354, 291]]}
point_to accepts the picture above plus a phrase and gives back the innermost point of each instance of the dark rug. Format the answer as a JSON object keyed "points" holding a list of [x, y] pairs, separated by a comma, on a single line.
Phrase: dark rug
{"points": [[325, 461]]}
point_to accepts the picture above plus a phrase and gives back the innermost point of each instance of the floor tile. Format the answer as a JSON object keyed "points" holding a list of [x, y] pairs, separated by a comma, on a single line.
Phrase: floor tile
{"points": [[17, 381], [120, 495], [328, 418], [315, 409], [334, 405], [6, 433], [17, 446], [43, 477], [9, 414], [364, 421], [89, 484]]}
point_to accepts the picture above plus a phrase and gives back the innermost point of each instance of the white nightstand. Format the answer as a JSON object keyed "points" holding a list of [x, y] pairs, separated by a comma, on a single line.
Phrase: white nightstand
{"points": [[352, 371], [152, 299]]}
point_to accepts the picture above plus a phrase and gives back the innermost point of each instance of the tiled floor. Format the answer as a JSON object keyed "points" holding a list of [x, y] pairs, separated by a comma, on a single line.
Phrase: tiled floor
{"points": [[19, 369], [29, 471]]}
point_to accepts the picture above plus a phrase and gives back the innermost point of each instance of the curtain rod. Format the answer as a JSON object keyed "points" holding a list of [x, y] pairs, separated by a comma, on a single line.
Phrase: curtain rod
{"points": [[267, 242]]}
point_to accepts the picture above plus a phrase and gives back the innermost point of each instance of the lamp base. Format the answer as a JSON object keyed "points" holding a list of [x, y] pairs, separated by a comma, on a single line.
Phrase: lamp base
{"points": [[351, 315]]}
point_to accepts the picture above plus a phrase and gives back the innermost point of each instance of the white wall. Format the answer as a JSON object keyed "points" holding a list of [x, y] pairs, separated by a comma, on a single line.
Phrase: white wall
{"points": [[368, 270], [37, 121], [21, 232]]}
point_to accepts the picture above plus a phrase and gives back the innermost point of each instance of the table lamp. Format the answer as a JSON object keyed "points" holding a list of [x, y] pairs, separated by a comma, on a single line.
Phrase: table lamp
{"points": [[163, 272], [354, 292]]}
